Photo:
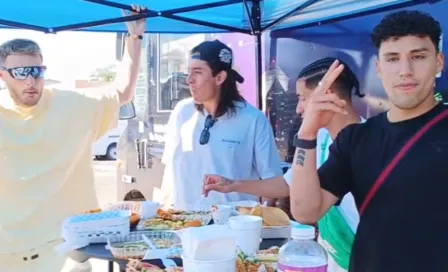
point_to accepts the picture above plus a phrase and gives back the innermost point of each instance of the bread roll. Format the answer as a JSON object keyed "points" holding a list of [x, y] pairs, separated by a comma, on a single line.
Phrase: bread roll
{"points": [[273, 216]]}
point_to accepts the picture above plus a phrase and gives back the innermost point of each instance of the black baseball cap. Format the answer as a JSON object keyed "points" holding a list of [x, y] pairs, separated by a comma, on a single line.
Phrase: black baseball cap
{"points": [[218, 56]]}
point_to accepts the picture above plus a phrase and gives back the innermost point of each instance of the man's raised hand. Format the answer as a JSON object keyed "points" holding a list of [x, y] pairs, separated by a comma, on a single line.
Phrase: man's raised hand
{"points": [[322, 104]]}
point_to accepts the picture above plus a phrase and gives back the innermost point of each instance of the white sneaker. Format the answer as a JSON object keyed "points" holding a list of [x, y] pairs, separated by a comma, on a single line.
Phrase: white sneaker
{"points": [[82, 267]]}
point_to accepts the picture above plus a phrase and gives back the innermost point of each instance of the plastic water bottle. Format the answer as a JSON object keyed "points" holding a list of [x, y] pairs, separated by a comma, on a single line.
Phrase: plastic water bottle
{"points": [[302, 253]]}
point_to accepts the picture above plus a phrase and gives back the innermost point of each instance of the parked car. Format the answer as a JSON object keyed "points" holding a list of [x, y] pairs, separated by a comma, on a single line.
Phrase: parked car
{"points": [[105, 148]]}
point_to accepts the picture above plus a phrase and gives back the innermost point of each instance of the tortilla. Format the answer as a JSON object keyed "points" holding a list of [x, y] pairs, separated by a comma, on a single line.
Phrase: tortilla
{"points": [[273, 216], [244, 210], [257, 210]]}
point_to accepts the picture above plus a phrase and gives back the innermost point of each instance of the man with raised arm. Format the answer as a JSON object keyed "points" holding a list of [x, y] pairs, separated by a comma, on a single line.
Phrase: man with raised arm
{"points": [[394, 169], [46, 139], [337, 237]]}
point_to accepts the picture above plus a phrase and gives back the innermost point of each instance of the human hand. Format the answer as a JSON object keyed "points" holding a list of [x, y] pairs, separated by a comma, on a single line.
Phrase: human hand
{"points": [[216, 183], [136, 27], [322, 104]]}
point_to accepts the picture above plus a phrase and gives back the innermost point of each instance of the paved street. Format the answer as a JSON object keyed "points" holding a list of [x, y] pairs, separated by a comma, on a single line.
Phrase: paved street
{"points": [[105, 181]]}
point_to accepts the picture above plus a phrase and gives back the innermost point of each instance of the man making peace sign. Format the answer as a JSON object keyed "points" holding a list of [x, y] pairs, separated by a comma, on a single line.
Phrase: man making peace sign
{"points": [[393, 164]]}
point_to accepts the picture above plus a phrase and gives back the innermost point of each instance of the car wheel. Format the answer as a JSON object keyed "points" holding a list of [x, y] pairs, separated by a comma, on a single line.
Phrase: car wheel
{"points": [[112, 152]]}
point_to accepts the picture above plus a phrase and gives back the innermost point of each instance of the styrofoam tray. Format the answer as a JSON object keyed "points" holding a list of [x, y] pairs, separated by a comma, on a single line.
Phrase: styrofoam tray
{"points": [[95, 227], [104, 215]]}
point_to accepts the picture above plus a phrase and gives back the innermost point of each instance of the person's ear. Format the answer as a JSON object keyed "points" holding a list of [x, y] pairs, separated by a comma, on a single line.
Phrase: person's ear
{"points": [[378, 68], [221, 77], [440, 62]]}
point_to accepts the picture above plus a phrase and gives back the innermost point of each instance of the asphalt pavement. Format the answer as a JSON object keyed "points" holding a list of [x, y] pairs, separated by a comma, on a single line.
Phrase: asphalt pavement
{"points": [[106, 190]]}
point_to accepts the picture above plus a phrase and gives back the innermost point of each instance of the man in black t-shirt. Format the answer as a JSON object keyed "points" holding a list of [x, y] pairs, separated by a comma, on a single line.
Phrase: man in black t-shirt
{"points": [[404, 225]]}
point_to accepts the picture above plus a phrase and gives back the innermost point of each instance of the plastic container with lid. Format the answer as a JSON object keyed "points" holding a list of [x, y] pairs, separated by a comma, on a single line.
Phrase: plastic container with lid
{"points": [[302, 253]]}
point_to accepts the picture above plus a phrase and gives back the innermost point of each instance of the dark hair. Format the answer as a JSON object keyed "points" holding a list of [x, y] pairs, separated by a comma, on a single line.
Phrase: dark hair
{"points": [[229, 92], [407, 23], [344, 84]]}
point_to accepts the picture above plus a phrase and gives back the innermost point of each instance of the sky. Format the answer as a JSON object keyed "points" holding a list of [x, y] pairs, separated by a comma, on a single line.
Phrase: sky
{"points": [[69, 55]]}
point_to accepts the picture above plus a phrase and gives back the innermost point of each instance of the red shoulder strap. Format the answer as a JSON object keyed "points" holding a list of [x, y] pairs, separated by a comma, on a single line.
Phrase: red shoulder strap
{"points": [[388, 169]]}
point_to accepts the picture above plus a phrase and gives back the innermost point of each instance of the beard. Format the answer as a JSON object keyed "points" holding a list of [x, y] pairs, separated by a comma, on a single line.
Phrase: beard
{"points": [[24, 99]]}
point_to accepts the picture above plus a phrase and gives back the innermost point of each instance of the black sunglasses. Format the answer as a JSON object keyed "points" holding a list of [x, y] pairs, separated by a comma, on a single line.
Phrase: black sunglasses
{"points": [[205, 134], [21, 73]]}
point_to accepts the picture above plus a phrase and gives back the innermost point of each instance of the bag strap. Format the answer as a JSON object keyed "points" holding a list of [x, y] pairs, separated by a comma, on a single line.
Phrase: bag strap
{"points": [[386, 172]]}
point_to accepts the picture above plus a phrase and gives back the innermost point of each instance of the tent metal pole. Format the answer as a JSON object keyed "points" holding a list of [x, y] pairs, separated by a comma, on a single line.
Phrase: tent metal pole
{"points": [[259, 63], [170, 11], [169, 14], [13, 24], [255, 17], [103, 22], [248, 12]]}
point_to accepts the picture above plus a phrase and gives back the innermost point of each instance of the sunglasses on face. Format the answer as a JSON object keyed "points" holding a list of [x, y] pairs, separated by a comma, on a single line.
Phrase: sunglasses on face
{"points": [[205, 134], [21, 73]]}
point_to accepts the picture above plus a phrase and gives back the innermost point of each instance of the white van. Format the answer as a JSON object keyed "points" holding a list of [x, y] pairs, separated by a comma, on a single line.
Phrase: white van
{"points": [[106, 147]]}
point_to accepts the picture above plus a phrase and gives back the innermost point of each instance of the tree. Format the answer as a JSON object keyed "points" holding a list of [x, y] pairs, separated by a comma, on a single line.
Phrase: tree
{"points": [[105, 74]]}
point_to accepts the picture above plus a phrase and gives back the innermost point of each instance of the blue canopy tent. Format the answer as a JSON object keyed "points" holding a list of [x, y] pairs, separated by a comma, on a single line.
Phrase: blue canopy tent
{"points": [[192, 16]]}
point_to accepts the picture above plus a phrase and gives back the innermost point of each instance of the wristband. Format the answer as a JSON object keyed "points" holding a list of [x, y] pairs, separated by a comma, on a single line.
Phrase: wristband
{"points": [[305, 144], [135, 36]]}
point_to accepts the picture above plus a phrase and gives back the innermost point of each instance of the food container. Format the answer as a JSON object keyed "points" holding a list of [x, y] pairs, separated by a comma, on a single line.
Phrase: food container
{"points": [[180, 222], [95, 227], [228, 265], [133, 245], [144, 209]]}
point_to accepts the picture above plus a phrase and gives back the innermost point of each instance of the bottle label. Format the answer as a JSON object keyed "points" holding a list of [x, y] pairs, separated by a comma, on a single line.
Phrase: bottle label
{"points": [[285, 268]]}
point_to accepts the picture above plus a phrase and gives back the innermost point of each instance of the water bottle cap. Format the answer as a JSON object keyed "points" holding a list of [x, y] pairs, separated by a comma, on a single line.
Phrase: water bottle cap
{"points": [[303, 232]]}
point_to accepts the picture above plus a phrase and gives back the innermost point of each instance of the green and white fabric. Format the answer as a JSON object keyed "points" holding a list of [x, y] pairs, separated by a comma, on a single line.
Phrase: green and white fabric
{"points": [[338, 226], [336, 233]]}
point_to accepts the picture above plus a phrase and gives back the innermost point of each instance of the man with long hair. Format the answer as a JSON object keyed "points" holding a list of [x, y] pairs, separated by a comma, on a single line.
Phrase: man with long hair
{"points": [[394, 164], [215, 132]]}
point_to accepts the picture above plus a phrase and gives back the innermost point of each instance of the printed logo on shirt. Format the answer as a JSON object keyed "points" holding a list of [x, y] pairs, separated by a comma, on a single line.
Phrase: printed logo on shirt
{"points": [[231, 144], [228, 141]]}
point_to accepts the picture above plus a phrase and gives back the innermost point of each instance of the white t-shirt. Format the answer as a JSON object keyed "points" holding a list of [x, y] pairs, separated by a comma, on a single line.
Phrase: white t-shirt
{"points": [[241, 147], [347, 207]]}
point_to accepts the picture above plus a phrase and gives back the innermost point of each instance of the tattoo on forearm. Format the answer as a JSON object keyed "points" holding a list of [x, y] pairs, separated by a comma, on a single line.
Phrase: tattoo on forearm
{"points": [[227, 181], [300, 159]]}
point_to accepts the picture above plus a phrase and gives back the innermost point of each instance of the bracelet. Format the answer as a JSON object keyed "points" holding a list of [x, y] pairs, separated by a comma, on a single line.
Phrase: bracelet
{"points": [[305, 144], [134, 36]]}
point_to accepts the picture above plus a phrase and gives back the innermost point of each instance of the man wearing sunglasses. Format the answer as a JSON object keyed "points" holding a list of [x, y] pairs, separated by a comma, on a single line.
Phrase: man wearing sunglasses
{"points": [[46, 138], [215, 132]]}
